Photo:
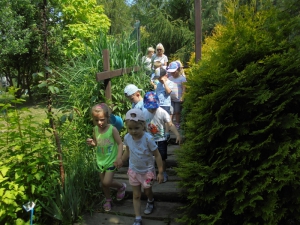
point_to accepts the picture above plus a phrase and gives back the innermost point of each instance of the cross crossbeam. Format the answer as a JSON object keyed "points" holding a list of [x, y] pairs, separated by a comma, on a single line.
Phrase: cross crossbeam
{"points": [[106, 75]]}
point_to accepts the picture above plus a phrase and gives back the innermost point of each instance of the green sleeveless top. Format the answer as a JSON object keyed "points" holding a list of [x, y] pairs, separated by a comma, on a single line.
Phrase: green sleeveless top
{"points": [[106, 149]]}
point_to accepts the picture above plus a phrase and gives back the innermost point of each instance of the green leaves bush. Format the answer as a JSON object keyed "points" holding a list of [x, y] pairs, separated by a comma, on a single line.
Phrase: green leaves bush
{"points": [[240, 161], [28, 169]]}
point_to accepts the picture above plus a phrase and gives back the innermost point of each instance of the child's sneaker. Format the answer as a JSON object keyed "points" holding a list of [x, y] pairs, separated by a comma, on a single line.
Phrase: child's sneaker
{"points": [[149, 207], [121, 192], [137, 222], [107, 205]]}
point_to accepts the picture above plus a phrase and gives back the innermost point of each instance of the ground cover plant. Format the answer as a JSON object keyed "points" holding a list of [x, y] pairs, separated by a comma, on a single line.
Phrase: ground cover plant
{"points": [[240, 159]]}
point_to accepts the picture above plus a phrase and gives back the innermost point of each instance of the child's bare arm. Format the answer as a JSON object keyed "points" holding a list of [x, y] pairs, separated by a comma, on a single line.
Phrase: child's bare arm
{"points": [[125, 155], [159, 164], [175, 131], [91, 141], [183, 92]]}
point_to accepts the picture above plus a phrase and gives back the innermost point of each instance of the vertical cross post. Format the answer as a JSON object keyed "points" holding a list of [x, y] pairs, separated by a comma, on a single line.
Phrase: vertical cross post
{"points": [[106, 68], [198, 29], [107, 74]]}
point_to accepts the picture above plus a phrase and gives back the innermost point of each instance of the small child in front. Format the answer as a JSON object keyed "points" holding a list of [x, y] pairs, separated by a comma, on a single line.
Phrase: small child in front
{"points": [[108, 152], [141, 148]]}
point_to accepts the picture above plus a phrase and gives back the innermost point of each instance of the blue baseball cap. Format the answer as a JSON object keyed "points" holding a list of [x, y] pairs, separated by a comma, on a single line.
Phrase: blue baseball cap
{"points": [[151, 100], [173, 67]]}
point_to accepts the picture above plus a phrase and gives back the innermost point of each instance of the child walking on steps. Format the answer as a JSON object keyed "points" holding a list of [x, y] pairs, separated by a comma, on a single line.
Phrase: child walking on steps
{"points": [[156, 118], [141, 148], [109, 149]]}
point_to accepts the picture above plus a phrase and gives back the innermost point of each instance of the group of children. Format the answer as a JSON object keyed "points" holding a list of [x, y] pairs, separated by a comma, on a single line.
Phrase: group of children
{"points": [[148, 124], [170, 81]]}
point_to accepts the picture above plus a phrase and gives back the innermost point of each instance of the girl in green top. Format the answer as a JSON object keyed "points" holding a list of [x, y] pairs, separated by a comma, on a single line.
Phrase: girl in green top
{"points": [[109, 149]]}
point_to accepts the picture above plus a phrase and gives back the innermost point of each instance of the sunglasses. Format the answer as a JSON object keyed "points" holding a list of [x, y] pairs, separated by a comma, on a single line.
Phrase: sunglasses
{"points": [[159, 49]]}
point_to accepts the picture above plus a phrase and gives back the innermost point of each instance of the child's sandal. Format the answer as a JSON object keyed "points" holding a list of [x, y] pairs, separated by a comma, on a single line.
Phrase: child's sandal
{"points": [[121, 192], [107, 205]]}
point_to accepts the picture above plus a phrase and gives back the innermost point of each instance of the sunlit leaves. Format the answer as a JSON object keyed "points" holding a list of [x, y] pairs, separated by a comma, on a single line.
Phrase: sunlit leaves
{"points": [[83, 21]]}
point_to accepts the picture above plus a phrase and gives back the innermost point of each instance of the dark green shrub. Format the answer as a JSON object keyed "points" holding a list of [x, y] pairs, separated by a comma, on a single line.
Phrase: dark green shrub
{"points": [[240, 161]]}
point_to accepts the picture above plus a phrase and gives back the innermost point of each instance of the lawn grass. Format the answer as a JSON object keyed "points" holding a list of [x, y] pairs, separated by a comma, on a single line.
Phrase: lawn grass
{"points": [[38, 110]]}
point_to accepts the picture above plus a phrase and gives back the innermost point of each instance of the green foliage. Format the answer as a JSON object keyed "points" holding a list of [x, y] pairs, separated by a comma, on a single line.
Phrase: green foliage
{"points": [[172, 24], [83, 20], [80, 191], [76, 90], [79, 76], [27, 166], [17, 37], [240, 161], [22, 32], [173, 33], [119, 15]]}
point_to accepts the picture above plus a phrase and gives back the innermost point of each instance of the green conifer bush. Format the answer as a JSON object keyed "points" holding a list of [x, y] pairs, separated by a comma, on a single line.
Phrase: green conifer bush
{"points": [[240, 160]]}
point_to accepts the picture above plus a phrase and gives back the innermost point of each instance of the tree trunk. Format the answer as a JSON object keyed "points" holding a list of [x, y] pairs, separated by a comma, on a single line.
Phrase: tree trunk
{"points": [[50, 113]]}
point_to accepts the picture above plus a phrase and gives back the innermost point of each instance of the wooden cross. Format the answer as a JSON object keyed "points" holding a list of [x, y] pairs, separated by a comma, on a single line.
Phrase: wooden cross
{"points": [[107, 74]]}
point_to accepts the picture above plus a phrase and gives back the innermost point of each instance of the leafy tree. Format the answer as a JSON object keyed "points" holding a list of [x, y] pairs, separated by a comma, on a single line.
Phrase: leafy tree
{"points": [[172, 23], [119, 14], [82, 22], [240, 161], [19, 41], [157, 26], [14, 37]]}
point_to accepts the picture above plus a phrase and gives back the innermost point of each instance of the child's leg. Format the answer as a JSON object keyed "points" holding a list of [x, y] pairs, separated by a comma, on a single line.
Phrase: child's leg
{"points": [[177, 118], [136, 198], [164, 165], [177, 110], [105, 187], [172, 111], [163, 148], [149, 193], [109, 182], [106, 191], [150, 202]]}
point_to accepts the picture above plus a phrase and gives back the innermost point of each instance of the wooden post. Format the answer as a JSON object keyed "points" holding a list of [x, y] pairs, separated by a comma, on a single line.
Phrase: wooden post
{"points": [[198, 29], [107, 74], [106, 68]]}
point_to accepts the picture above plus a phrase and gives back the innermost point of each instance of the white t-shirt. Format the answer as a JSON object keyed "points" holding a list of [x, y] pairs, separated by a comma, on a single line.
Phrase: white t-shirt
{"points": [[155, 123], [177, 89], [147, 62], [141, 158], [163, 59]]}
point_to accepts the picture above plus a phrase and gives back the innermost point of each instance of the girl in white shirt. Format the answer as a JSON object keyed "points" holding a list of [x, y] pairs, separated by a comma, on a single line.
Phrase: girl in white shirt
{"points": [[141, 148]]}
